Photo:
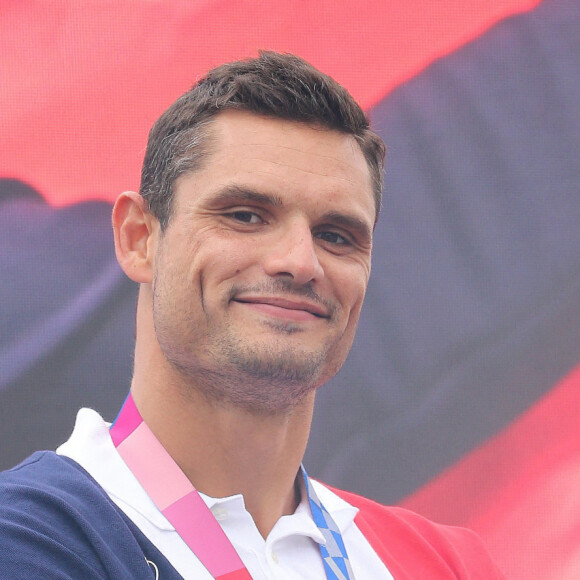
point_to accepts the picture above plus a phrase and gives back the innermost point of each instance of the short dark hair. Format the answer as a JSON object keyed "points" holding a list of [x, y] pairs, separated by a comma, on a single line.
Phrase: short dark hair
{"points": [[276, 85]]}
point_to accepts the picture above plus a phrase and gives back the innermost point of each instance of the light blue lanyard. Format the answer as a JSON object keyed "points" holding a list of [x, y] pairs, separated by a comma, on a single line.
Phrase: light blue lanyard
{"points": [[334, 556]]}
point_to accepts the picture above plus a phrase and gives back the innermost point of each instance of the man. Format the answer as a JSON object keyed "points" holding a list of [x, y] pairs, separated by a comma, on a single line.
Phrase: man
{"points": [[251, 240]]}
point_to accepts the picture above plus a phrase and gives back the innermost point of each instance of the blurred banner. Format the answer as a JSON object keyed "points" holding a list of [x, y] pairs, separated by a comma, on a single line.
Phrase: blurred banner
{"points": [[461, 396]]}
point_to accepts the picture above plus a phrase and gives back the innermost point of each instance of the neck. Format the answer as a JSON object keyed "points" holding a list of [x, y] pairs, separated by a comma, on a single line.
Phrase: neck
{"points": [[226, 451]]}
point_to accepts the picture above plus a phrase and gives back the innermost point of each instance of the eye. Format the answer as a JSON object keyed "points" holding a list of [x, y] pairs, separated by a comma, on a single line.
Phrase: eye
{"points": [[332, 238], [247, 217]]}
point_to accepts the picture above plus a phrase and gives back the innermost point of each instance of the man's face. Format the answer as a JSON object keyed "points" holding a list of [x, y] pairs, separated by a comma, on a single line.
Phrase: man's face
{"points": [[261, 272]]}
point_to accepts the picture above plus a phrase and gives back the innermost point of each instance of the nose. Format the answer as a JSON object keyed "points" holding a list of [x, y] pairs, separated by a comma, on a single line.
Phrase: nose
{"points": [[293, 253]]}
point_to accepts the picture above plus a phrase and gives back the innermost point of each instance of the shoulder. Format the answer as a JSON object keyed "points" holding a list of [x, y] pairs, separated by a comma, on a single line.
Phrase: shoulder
{"points": [[413, 546], [42, 470], [57, 522], [47, 484]]}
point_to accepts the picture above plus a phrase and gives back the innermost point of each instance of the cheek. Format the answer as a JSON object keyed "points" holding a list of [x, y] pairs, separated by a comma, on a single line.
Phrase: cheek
{"points": [[351, 297], [226, 261], [350, 285], [216, 266]]}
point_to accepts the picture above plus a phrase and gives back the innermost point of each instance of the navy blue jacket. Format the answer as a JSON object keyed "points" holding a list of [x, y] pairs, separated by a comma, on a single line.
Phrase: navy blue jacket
{"points": [[56, 522]]}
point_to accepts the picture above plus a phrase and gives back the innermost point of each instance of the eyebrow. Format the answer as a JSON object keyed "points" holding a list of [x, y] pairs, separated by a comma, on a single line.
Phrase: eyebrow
{"points": [[237, 193]]}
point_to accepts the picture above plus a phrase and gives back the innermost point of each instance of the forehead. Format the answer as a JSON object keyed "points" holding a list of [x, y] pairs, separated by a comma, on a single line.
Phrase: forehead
{"points": [[290, 157]]}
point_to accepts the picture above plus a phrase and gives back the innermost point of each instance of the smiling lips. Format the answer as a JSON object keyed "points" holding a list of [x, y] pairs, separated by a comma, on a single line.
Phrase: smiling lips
{"points": [[295, 310]]}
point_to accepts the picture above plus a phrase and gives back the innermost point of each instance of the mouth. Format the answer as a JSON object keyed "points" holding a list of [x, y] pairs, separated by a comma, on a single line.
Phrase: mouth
{"points": [[297, 310]]}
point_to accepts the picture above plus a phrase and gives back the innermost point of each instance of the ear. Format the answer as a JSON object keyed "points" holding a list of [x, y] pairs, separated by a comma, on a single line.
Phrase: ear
{"points": [[136, 231]]}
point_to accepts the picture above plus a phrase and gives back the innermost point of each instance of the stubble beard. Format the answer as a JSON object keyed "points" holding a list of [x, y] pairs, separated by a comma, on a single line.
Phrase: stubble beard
{"points": [[264, 378], [259, 376]]}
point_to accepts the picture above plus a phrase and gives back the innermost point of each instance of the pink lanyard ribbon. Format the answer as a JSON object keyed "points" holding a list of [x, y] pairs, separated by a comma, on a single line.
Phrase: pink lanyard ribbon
{"points": [[174, 495]]}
